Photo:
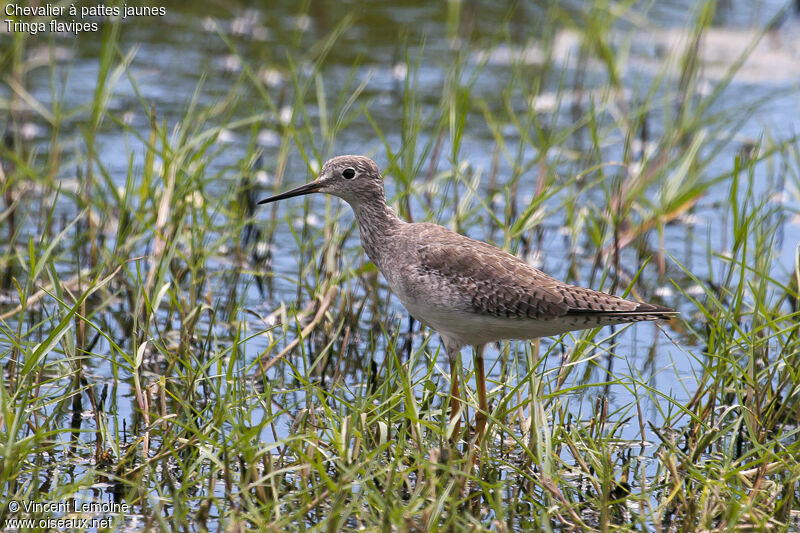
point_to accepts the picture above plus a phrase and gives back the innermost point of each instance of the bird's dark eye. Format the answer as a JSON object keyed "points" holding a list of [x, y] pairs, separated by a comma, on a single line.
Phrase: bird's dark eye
{"points": [[349, 173]]}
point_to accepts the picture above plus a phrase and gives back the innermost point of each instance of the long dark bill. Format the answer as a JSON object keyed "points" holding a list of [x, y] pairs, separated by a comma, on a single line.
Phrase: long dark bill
{"points": [[308, 188]]}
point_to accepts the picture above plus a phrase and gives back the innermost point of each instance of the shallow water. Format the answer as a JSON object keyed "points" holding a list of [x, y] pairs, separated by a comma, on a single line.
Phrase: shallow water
{"points": [[173, 54]]}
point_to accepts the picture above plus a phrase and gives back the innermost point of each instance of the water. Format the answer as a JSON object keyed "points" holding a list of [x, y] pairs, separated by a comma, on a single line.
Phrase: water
{"points": [[389, 44]]}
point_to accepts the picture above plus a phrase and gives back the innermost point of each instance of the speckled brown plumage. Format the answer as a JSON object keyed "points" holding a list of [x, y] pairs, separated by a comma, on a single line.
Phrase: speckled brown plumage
{"points": [[501, 285]]}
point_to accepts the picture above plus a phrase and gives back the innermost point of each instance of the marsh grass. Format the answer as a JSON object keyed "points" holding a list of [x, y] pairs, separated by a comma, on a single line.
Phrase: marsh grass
{"points": [[167, 345]]}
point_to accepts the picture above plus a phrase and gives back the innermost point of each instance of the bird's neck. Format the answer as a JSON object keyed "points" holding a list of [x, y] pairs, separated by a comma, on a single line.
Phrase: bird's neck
{"points": [[377, 224]]}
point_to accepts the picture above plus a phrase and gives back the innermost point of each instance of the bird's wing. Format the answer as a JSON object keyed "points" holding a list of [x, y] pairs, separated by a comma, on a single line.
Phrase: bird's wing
{"points": [[493, 282], [489, 280]]}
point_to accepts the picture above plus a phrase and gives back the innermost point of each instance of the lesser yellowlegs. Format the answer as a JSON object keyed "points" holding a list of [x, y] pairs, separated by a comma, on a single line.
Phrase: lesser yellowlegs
{"points": [[470, 292]]}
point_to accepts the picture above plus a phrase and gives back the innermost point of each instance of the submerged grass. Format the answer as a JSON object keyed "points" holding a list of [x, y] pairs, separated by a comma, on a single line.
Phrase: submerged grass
{"points": [[167, 346]]}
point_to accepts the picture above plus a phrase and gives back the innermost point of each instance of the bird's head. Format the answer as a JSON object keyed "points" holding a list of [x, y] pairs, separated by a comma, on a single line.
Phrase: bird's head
{"points": [[352, 178]]}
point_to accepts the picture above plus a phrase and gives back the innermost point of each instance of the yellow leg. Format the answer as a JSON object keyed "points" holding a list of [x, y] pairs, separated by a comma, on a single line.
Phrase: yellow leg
{"points": [[482, 414], [455, 403], [453, 349]]}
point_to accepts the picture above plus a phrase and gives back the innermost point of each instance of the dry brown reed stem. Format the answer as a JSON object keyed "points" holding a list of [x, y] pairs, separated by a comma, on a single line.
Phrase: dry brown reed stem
{"points": [[631, 233], [164, 208], [71, 284], [325, 303]]}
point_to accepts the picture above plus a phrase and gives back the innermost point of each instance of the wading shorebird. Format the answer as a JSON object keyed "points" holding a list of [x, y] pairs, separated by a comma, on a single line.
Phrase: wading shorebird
{"points": [[470, 292]]}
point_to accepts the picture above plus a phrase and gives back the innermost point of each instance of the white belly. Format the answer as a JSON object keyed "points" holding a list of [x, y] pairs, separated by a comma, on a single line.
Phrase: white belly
{"points": [[472, 329]]}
